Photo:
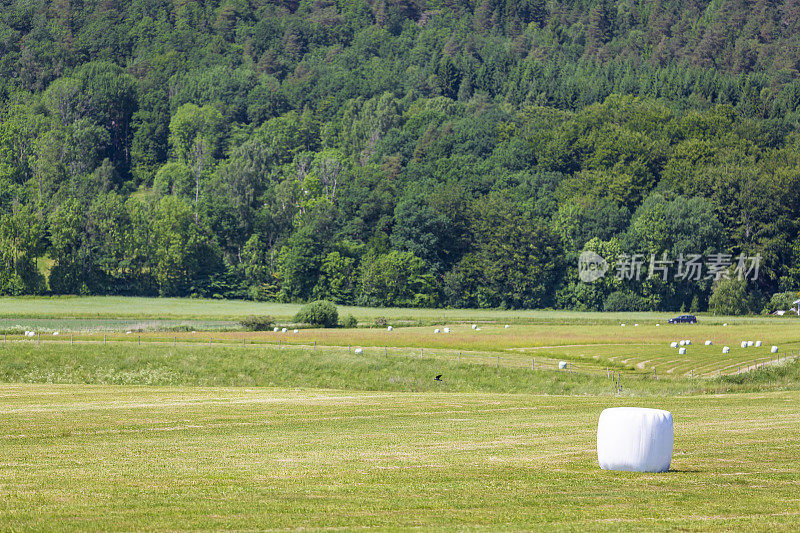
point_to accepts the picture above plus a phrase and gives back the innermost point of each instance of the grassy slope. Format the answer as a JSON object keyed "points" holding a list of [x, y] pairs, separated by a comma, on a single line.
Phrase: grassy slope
{"points": [[118, 307], [132, 458]]}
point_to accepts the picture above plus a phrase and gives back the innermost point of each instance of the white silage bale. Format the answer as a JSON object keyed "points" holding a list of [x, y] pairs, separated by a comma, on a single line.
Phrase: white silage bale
{"points": [[725, 324], [55, 334], [296, 330], [623, 325], [744, 344], [474, 326], [562, 365], [276, 330], [507, 326], [636, 325], [682, 343], [359, 351], [284, 330], [758, 344], [635, 439], [673, 344], [709, 343], [774, 349], [726, 349], [750, 343], [436, 330], [447, 330], [390, 328], [688, 342], [681, 351], [657, 325]]}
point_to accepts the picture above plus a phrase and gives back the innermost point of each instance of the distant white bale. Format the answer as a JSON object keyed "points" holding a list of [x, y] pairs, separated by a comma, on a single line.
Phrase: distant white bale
{"points": [[474, 326], [296, 330], [774, 349], [750, 343], [681, 351], [623, 325], [635, 439], [636, 325], [658, 325], [682, 343], [673, 344], [562, 365], [276, 329], [436, 330], [758, 344], [725, 324], [128, 332], [447, 330], [709, 343], [55, 333], [688, 342], [390, 328], [359, 351], [744, 344], [283, 330], [726, 349], [507, 326]]}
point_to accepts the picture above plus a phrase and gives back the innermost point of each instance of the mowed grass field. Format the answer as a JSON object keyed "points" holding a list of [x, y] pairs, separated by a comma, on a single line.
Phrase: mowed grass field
{"points": [[219, 428], [149, 458]]}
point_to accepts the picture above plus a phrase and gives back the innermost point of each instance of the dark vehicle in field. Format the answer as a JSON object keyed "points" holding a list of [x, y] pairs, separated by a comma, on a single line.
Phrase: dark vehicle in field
{"points": [[683, 319]]}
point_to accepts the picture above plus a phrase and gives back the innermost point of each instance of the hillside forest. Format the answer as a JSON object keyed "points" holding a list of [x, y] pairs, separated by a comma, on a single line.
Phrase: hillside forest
{"points": [[457, 153]]}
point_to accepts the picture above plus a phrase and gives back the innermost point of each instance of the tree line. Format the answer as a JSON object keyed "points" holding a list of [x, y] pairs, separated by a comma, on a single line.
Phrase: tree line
{"points": [[397, 153]]}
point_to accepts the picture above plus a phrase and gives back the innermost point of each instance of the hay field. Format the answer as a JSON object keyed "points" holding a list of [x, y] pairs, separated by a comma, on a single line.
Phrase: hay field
{"points": [[151, 458]]}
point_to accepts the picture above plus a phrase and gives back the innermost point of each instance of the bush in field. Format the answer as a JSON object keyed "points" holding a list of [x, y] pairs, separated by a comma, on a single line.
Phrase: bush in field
{"points": [[381, 321], [349, 322], [319, 313], [624, 301], [257, 323], [781, 300]]}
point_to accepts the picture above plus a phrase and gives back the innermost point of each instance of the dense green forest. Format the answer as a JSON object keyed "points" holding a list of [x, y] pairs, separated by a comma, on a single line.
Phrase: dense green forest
{"points": [[397, 152]]}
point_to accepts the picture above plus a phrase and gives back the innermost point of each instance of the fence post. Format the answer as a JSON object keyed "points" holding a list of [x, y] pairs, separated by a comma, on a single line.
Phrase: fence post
{"points": [[655, 373], [385, 351], [459, 357], [38, 338], [139, 340], [209, 342], [279, 344], [174, 341], [243, 343], [533, 364], [498, 361], [70, 340], [104, 338]]}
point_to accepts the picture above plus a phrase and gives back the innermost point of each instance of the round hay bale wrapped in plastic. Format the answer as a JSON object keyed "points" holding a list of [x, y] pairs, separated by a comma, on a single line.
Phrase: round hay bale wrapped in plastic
{"points": [[774, 349], [447, 330], [474, 326], [359, 351], [726, 349], [390, 328], [635, 439], [750, 343], [758, 344], [682, 351], [688, 342], [562, 365], [436, 330], [682, 343], [673, 344], [507, 326], [744, 344], [284, 330], [276, 330], [709, 343], [296, 330]]}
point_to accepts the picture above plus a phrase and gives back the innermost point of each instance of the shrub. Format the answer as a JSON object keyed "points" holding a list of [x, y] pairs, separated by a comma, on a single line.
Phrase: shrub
{"points": [[781, 300], [319, 313], [381, 321], [257, 323], [624, 301], [731, 297], [349, 322]]}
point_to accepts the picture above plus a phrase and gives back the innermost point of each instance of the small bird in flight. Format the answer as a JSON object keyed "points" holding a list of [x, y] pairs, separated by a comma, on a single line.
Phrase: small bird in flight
{"points": [[438, 378]]}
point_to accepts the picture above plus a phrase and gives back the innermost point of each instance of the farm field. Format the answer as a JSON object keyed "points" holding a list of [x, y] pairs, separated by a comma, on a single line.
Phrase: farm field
{"points": [[143, 423], [148, 309], [134, 458]]}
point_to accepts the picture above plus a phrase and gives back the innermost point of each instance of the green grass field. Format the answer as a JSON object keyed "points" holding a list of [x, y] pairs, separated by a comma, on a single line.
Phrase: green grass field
{"points": [[164, 428], [150, 458]]}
